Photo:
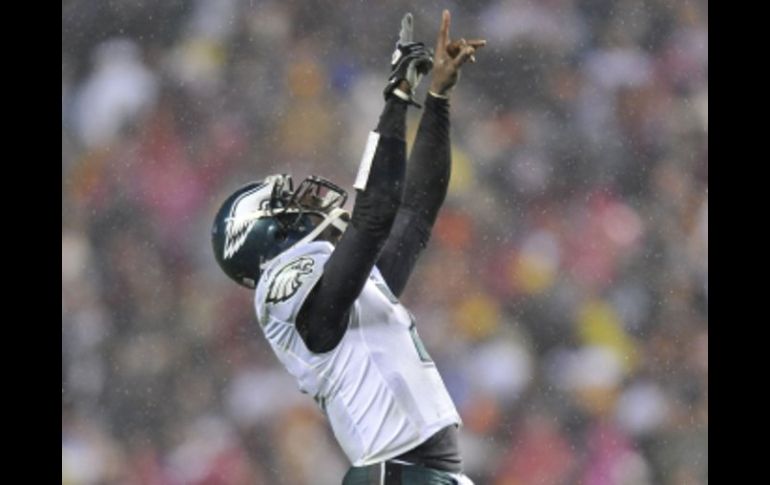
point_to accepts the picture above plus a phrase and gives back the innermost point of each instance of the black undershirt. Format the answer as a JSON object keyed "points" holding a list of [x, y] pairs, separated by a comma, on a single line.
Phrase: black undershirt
{"points": [[389, 227], [322, 321], [441, 452]]}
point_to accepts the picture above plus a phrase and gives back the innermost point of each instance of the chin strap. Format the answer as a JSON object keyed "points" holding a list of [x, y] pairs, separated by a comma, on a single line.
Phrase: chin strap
{"points": [[333, 218]]}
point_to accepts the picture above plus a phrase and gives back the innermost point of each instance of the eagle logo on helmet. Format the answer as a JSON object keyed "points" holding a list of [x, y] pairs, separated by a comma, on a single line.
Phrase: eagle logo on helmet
{"points": [[288, 279], [241, 219]]}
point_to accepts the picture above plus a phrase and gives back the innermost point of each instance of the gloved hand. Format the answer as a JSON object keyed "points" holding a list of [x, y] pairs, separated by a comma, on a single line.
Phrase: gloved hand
{"points": [[410, 62]]}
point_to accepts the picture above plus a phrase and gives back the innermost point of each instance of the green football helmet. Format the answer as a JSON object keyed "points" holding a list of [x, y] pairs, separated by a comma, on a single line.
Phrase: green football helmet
{"points": [[262, 219]]}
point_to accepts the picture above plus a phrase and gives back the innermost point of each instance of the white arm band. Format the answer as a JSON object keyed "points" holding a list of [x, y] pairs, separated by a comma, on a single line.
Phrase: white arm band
{"points": [[366, 161]]}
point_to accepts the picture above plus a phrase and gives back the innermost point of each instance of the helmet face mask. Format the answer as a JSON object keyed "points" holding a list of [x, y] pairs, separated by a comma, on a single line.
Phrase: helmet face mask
{"points": [[314, 195], [263, 219]]}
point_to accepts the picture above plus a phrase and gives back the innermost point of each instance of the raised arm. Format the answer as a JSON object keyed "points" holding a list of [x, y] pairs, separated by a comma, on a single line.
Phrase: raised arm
{"points": [[322, 321], [429, 166]]}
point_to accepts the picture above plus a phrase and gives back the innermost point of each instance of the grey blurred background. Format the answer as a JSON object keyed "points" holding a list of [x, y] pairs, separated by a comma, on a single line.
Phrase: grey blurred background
{"points": [[564, 295]]}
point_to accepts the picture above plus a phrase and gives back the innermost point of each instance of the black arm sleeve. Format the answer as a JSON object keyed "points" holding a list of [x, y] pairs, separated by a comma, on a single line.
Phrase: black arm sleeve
{"points": [[322, 321], [427, 182]]}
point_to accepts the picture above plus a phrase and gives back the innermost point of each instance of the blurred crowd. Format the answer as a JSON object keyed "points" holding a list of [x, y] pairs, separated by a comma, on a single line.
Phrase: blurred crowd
{"points": [[564, 294]]}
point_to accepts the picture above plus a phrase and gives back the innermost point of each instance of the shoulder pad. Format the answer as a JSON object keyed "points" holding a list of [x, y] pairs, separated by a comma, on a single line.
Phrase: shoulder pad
{"points": [[287, 281]]}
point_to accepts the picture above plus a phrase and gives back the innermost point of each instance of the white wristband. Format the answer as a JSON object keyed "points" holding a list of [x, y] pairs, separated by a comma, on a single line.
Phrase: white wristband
{"points": [[401, 94], [436, 95]]}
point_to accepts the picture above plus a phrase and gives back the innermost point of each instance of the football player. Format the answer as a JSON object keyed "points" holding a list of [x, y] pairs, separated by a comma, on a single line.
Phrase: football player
{"points": [[327, 281]]}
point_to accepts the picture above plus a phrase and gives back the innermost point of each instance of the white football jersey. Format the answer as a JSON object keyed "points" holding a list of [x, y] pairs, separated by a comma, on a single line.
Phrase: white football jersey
{"points": [[379, 388]]}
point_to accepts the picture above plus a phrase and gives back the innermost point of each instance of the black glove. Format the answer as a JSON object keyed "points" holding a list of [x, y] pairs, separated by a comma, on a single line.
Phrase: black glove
{"points": [[410, 62]]}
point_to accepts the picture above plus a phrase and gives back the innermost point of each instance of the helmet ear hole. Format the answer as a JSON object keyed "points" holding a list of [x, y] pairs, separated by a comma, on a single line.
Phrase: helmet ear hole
{"points": [[276, 233]]}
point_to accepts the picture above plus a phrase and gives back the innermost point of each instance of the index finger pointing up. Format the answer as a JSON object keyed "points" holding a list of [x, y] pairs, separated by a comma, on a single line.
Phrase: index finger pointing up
{"points": [[443, 33], [407, 29]]}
